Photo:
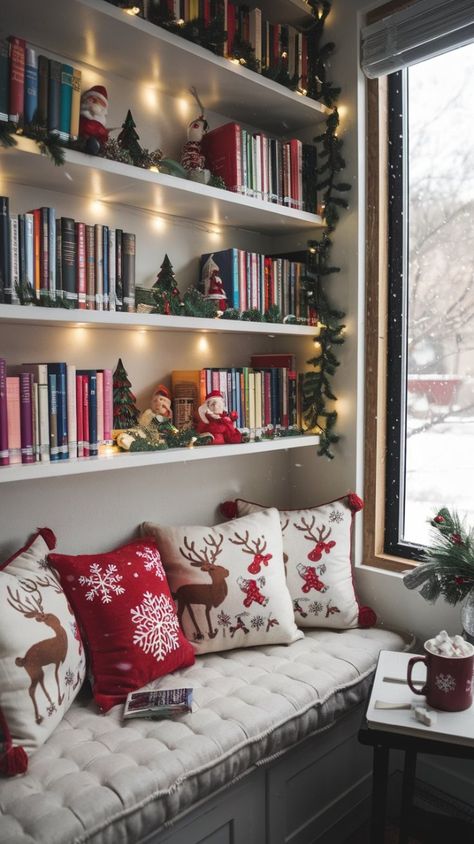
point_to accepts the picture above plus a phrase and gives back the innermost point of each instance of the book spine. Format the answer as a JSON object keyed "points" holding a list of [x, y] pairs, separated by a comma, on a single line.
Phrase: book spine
{"points": [[17, 79], [105, 261], [79, 415], [99, 266], [52, 253], [75, 104], [4, 79], [29, 252], [112, 270], [31, 85], [14, 419], [26, 417], [65, 102], [5, 277], [4, 456], [14, 261], [54, 95], [22, 250], [37, 251], [93, 437], [100, 409], [36, 431], [43, 86], [90, 268], [43, 410], [85, 414], [68, 259], [128, 266], [60, 370], [53, 418], [108, 406], [71, 411], [44, 252], [81, 266], [118, 270]]}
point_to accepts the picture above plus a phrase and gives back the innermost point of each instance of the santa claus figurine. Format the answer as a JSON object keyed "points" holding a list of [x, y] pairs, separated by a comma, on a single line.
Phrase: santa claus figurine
{"points": [[92, 128], [215, 420], [160, 408], [212, 284], [192, 158]]}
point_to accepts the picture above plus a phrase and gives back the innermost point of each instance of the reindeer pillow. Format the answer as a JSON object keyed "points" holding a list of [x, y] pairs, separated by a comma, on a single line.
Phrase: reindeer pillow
{"points": [[123, 604], [228, 582], [317, 552], [42, 662]]}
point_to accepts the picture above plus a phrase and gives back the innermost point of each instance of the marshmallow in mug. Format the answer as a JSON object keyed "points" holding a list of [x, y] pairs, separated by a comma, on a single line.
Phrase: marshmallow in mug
{"points": [[451, 646]]}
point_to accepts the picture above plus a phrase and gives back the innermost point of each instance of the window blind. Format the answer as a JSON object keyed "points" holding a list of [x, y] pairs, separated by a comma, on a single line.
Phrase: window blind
{"points": [[420, 31]]}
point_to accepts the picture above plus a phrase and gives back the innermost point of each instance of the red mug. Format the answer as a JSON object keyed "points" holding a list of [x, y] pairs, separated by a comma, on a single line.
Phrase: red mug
{"points": [[449, 680]]}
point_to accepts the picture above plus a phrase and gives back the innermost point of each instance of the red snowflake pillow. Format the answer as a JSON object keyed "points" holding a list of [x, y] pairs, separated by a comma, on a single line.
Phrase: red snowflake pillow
{"points": [[123, 603], [317, 553]]}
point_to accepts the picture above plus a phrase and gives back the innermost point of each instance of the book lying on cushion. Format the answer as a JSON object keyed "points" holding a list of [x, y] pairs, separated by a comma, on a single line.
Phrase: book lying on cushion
{"points": [[158, 703]]}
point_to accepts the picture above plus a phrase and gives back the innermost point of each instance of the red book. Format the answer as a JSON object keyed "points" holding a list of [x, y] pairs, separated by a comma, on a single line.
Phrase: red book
{"points": [[4, 456], [85, 415], [206, 12], [108, 406], [14, 418], [267, 283], [296, 148], [231, 27], [26, 417], [81, 264], [222, 149], [273, 360], [17, 78], [79, 415], [36, 250]]}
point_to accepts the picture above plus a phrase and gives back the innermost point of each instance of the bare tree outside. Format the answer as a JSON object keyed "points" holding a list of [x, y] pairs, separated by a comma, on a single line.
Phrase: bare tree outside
{"points": [[440, 341]]}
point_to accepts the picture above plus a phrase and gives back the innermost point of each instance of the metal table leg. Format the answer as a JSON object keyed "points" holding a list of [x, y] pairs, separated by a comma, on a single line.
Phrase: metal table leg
{"points": [[409, 774], [379, 794]]}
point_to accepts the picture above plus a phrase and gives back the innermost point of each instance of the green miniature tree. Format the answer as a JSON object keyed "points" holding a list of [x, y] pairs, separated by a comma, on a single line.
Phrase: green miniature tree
{"points": [[128, 138], [165, 291], [125, 411]]}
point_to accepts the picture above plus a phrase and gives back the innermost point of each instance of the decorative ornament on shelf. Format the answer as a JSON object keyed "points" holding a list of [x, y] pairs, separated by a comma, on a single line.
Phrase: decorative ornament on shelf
{"points": [[212, 284], [447, 567], [93, 133], [160, 409], [214, 419], [192, 158], [166, 296], [125, 410]]}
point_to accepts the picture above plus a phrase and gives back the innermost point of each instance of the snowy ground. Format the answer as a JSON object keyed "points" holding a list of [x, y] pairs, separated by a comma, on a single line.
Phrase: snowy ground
{"points": [[440, 473]]}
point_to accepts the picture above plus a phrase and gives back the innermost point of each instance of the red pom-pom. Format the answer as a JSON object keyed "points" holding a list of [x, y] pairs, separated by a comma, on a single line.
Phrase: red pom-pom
{"points": [[229, 509], [439, 520], [456, 539], [48, 537], [14, 761], [354, 502], [367, 617]]}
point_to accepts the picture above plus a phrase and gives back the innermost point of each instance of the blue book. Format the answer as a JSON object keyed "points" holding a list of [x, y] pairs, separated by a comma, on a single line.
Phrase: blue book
{"points": [[65, 101], [31, 85], [53, 417], [105, 250], [228, 262], [92, 382], [59, 370]]}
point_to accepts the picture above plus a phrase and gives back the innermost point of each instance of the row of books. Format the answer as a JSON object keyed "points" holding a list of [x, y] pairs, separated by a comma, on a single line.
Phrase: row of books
{"points": [[262, 394], [90, 266], [53, 411], [263, 167], [34, 88], [276, 46], [252, 280]]}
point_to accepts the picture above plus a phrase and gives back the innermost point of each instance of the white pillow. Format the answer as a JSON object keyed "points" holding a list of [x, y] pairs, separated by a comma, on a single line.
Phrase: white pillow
{"points": [[228, 582]]}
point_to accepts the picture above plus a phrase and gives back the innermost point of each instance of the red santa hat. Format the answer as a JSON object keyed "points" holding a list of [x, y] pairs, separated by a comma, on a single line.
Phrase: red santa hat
{"points": [[161, 390], [214, 394], [99, 92]]}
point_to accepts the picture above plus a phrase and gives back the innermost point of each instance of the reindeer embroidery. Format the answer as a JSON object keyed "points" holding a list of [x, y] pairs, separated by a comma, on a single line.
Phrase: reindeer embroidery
{"points": [[239, 624], [254, 547], [251, 588], [321, 545], [51, 651], [310, 575], [208, 595]]}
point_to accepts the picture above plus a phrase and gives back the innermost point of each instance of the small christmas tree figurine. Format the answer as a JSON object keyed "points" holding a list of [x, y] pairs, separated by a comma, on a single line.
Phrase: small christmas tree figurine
{"points": [[165, 292], [125, 412], [128, 138]]}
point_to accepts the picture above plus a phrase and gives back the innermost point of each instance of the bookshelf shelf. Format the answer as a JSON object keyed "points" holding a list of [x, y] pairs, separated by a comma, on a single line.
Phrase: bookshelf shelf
{"points": [[293, 12], [113, 182], [38, 471], [102, 36], [25, 315]]}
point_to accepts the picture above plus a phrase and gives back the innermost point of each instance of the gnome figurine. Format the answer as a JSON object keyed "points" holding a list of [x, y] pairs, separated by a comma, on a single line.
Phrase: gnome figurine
{"points": [[93, 114], [212, 284]]}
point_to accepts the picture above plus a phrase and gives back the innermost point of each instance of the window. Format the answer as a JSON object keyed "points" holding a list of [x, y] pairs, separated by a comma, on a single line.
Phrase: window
{"points": [[420, 339]]}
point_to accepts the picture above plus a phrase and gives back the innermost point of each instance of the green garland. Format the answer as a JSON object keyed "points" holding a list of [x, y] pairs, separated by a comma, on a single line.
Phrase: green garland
{"points": [[49, 144]]}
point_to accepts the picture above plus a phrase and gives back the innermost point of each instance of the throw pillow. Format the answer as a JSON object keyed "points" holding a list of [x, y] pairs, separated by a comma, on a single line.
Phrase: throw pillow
{"points": [[317, 552], [124, 607], [228, 582], [42, 662]]}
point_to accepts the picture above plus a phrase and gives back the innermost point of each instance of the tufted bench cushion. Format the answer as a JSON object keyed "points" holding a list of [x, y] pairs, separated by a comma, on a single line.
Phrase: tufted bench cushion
{"points": [[99, 779]]}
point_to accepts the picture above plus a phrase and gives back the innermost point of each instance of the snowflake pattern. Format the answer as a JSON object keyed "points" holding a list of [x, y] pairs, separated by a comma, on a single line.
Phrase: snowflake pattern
{"points": [[51, 709], [152, 561], [335, 516], [69, 677], [445, 683], [102, 583], [43, 564], [316, 607], [157, 626], [257, 622]]}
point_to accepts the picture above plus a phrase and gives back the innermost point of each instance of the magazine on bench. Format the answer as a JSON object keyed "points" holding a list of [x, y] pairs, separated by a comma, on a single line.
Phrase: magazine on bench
{"points": [[158, 703]]}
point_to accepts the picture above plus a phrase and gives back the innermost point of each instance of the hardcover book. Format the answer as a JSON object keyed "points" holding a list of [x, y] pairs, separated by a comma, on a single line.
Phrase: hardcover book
{"points": [[65, 102], [17, 78], [128, 271], [26, 417], [54, 96], [221, 148], [4, 79], [31, 84], [5, 290], [158, 703], [4, 456], [14, 418]]}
